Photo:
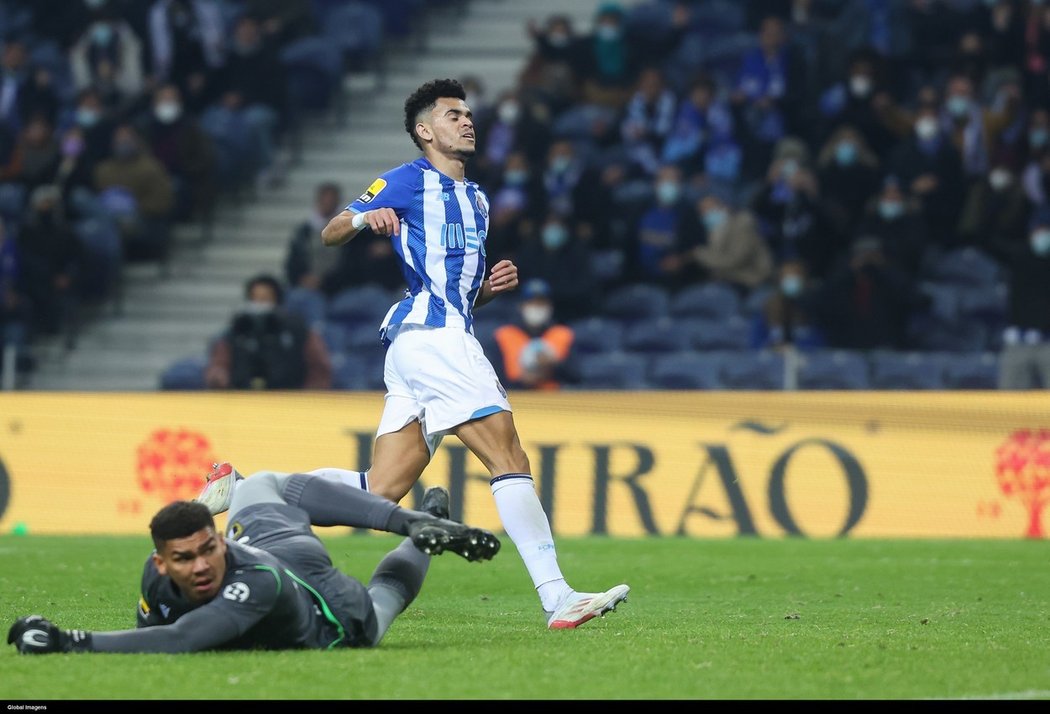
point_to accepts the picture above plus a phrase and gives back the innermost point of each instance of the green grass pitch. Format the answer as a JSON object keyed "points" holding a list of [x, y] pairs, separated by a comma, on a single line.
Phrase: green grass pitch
{"points": [[706, 619]]}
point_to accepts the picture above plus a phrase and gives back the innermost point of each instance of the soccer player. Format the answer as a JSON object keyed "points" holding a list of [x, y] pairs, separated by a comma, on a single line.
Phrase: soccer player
{"points": [[270, 583], [437, 376]]}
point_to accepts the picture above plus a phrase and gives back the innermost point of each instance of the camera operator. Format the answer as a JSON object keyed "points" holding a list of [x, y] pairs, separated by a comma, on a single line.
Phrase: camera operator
{"points": [[266, 347]]}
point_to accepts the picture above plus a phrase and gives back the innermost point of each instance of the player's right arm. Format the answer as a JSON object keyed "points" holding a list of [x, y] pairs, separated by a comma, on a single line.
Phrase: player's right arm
{"points": [[379, 208], [342, 229], [239, 607]]}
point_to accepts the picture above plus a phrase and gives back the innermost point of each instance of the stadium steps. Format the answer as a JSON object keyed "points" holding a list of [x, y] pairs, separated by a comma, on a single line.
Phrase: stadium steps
{"points": [[167, 318]]}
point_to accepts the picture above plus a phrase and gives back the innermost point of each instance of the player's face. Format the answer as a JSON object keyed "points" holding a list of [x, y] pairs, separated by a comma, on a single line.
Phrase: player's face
{"points": [[196, 563], [451, 126]]}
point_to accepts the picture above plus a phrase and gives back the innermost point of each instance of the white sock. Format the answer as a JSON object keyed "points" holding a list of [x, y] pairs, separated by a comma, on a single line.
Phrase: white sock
{"points": [[355, 479], [526, 523]]}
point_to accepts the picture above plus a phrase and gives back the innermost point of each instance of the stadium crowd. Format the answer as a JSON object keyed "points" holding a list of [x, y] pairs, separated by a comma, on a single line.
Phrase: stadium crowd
{"points": [[122, 120], [865, 181]]}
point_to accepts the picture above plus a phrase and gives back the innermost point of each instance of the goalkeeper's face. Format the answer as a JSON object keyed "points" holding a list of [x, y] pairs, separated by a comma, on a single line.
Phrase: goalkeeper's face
{"points": [[196, 563]]}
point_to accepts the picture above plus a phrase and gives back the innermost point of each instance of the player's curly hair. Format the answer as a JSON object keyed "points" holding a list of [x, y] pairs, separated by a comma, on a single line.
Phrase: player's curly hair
{"points": [[424, 99], [179, 519]]}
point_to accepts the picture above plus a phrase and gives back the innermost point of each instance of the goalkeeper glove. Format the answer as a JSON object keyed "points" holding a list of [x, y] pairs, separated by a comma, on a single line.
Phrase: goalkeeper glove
{"points": [[37, 635]]}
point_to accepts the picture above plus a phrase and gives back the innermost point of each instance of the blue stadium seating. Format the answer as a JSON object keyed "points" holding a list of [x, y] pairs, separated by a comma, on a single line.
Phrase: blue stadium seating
{"points": [[613, 370], [733, 333], [712, 300], [686, 369], [964, 266], [307, 304], [363, 304], [987, 304], [905, 371], [355, 372], [660, 335], [969, 370], [761, 370], [929, 333], [596, 335], [833, 369], [638, 301], [184, 374]]}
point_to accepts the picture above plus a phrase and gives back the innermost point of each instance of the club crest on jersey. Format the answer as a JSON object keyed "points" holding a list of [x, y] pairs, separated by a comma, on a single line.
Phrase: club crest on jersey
{"points": [[482, 204], [372, 191], [238, 592]]}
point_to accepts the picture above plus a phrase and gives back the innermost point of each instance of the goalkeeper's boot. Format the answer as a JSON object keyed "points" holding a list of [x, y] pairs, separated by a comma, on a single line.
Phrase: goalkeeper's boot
{"points": [[434, 536], [579, 608], [218, 491]]}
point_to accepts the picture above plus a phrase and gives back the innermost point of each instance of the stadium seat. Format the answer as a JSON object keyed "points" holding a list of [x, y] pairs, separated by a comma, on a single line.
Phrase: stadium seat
{"points": [[364, 304], [964, 266], [315, 73], [761, 370], [307, 304], [661, 335], [712, 300], [987, 304], [185, 373], [354, 372], [733, 333], [613, 370], [928, 333], [969, 370], [639, 301], [363, 338], [944, 299], [12, 201], [686, 369], [905, 371], [597, 334], [833, 369], [356, 28]]}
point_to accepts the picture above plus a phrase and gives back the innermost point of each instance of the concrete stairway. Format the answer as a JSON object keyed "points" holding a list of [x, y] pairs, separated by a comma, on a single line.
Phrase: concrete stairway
{"points": [[164, 318]]}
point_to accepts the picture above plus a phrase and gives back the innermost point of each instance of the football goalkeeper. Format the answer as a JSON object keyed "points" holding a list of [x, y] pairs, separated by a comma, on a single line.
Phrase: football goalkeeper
{"points": [[270, 583]]}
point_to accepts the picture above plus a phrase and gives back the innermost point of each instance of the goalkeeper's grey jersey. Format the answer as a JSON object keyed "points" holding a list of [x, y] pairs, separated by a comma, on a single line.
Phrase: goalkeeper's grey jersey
{"points": [[262, 604]]}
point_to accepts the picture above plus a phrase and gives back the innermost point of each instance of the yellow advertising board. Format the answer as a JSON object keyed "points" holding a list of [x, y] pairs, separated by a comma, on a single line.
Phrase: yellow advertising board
{"points": [[624, 464]]}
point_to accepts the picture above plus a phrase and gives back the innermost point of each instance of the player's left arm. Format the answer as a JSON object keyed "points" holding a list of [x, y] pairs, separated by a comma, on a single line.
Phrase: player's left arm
{"points": [[503, 278]]}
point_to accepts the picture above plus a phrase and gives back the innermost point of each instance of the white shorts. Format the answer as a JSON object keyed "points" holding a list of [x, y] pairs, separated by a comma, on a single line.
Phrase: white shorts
{"points": [[439, 376]]}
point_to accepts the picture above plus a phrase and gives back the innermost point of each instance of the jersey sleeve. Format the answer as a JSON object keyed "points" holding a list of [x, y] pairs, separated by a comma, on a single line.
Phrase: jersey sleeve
{"points": [[393, 190], [147, 613], [246, 597]]}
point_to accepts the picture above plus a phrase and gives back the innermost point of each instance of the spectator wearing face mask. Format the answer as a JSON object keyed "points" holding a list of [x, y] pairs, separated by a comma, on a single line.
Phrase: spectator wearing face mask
{"points": [[894, 219], [862, 100], [732, 250], [786, 317], [848, 173], [789, 209], [535, 351], [555, 253], [136, 189], [512, 126], [665, 235], [975, 129], [1024, 361], [930, 167], [513, 205], [266, 347], [996, 211], [108, 57], [177, 140], [1035, 177]]}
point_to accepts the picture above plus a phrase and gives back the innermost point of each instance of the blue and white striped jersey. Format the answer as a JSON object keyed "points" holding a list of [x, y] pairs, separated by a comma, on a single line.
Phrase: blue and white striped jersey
{"points": [[441, 246]]}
